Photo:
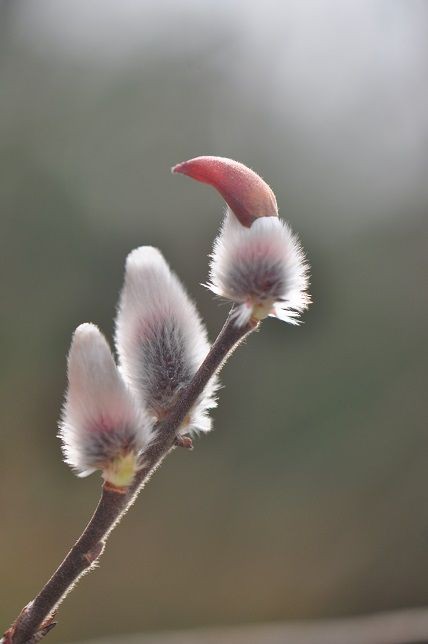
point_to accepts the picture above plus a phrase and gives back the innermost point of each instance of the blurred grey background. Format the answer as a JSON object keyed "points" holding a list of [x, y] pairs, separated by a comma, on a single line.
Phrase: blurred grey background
{"points": [[310, 498]]}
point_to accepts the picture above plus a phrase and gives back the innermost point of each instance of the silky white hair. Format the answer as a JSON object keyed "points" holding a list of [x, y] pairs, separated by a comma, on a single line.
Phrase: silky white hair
{"points": [[263, 265], [160, 338], [101, 418]]}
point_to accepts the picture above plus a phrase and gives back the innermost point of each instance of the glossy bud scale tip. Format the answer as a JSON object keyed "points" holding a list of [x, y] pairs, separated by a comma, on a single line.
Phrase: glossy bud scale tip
{"points": [[245, 192]]}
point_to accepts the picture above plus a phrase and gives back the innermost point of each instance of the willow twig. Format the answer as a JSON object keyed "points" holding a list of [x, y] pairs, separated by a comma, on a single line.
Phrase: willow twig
{"points": [[37, 618]]}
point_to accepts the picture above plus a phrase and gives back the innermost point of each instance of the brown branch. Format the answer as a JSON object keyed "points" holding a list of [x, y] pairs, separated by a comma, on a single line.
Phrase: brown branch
{"points": [[36, 619]]}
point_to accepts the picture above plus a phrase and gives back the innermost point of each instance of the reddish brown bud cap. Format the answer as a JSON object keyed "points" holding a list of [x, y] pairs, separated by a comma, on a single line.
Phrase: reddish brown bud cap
{"points": [[247, 195]]}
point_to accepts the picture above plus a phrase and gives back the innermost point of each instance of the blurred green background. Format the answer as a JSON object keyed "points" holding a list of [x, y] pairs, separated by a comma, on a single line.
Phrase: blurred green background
{"points": [[310, 498]]}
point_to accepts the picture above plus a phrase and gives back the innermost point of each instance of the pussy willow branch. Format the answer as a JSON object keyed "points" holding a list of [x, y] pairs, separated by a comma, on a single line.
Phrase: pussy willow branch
{"points": [[35, 620]]}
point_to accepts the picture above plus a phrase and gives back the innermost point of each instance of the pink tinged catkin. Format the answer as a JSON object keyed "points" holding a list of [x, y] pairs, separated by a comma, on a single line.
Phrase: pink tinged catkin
{"points": [[102, 425], [261, 268], [160, 338], [256, 262]]}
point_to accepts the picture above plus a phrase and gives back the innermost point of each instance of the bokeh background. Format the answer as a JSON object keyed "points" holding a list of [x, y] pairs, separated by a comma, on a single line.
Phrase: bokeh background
{"points": [[310, 498]]}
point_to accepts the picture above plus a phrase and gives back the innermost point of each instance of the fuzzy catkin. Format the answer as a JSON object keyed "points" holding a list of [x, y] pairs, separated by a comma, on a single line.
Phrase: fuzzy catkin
{"points": [[101, 420], [261, 268], [160, 338]]}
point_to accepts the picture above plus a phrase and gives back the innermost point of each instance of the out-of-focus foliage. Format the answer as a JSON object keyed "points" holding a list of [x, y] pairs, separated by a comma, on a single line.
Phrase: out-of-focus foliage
{"points": [[310, 498]]}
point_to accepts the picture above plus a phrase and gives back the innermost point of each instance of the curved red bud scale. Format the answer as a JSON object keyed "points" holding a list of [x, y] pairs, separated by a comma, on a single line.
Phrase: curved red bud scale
{"points": [[247, 194]]}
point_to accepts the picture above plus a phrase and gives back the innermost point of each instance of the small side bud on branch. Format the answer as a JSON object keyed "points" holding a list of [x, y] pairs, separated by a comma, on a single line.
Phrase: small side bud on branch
{"points": [[160, 339], [102, 426], [256, 262], [184, 441]]}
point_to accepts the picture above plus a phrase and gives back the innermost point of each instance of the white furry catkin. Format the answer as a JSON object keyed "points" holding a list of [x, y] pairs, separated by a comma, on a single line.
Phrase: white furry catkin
{"points": [[261, 268], [102, 425], [160, 338]]}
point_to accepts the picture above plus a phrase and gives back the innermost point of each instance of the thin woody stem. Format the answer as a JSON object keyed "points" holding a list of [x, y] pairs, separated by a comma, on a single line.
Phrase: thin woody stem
{"points": [[35, 620]]}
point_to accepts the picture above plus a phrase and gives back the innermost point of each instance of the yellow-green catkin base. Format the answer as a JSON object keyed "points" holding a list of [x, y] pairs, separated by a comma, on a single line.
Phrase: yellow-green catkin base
{"points": [[261, 310], [121, 471]]}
